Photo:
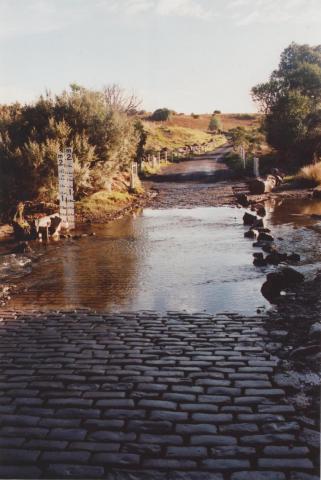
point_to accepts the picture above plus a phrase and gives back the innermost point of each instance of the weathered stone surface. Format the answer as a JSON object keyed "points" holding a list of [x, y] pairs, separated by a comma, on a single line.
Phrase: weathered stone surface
{"points": [[257, 475], [74, 471], [186, 452], [139, 396], [285, 463], [310, 437], [226, 464]]}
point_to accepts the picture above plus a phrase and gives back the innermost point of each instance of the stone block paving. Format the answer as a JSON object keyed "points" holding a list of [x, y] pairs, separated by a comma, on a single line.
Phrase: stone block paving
{"points": [[146, 396]]}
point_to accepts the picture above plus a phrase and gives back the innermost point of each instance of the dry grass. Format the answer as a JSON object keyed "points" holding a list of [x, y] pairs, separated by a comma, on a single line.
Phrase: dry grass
{"points": [[311, 173]]}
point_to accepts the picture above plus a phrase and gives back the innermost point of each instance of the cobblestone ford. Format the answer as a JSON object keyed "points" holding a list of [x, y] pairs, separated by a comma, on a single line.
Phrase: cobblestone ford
{"points": [[146, 396]]}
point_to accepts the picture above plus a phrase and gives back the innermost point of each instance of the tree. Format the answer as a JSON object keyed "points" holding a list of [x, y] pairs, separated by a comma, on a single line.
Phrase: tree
{"points": [[215, 125], [250, 139], [161, 115], [291, 102], [117, 99]]}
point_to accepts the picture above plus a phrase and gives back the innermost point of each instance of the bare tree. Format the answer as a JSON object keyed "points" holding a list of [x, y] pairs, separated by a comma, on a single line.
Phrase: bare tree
{"points": [[117, 98]]}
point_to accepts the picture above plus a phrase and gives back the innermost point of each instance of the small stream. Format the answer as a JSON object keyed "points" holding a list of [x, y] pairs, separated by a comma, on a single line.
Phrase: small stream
{"points": [[194, 259]]}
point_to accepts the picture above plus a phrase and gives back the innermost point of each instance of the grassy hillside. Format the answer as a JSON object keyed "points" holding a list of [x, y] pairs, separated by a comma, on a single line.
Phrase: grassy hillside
{"points": [[200, 122], [183, 130], [161, 135]]}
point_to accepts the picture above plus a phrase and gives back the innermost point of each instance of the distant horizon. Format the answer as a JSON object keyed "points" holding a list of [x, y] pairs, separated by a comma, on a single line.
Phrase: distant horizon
{"points": [[187, 55]]}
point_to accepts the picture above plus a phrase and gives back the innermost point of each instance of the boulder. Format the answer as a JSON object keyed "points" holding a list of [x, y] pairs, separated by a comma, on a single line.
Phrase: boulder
{"points": [[260, 210], [315, 330], [249, 219], [294, 257], [251, 233], [259, 223], [265, 237], [243, 200], [277, 172], [274, 258], [281, 280], [259, 262], [302, 352], [258, 186], [317, 192], [268, 248]]}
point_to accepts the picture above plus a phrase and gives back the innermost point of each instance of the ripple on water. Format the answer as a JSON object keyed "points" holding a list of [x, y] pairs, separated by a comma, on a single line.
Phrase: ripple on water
{"points": [[194, 259]]}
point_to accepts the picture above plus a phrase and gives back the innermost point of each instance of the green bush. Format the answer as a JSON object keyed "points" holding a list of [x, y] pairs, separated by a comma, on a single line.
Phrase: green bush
{"points": [[215, 125], [104, 138]]}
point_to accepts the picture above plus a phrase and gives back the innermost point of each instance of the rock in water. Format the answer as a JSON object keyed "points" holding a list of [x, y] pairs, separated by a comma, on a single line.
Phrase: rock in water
{"points": [[243, 200], [258, 186], [251, 233], [260, 210], [294, 257], [265, 237], [249, 219]]}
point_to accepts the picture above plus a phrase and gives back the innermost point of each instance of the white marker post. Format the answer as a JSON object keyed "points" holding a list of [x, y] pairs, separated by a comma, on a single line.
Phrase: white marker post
{"points": [[243, 156], [133, 175], [256, 167], [154, 161], [62, 189], [66, 188]]}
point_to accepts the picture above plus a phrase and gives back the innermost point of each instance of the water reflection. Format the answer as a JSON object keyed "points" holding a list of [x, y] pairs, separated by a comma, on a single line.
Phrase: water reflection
{"points": [[296, 225], [193, 259], [94, 271], [297, 212]]}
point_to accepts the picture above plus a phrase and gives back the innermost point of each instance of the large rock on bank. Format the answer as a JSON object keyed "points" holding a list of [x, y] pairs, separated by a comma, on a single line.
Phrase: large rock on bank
{"points": [[281, 280]]}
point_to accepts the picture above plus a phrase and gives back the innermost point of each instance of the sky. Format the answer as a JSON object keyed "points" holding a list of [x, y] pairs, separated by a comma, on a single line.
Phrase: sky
{"points": [[186, 55]]}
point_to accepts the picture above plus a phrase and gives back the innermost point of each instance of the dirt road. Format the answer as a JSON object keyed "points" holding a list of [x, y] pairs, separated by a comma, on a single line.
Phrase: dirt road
{"points": [[203, 180]]}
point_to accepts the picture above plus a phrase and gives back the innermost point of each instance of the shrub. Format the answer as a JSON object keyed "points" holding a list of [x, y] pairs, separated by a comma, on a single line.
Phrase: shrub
{"points": [[104, 138], [161, 115], [215, 125], [311, 173]]}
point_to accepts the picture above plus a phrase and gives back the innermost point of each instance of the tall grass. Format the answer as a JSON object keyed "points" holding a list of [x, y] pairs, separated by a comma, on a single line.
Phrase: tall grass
{"points": [[311, 174]]}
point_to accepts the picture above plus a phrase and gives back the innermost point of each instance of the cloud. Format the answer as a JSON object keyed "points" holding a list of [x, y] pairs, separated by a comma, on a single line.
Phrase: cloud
{"points": [[247, 12], [25, 17], [177, 8], [182, 8], [134, 7], [20, 17]]}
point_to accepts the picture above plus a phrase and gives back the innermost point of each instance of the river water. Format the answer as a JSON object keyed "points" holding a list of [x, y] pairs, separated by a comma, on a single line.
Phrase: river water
{"points": [[173, 259]]}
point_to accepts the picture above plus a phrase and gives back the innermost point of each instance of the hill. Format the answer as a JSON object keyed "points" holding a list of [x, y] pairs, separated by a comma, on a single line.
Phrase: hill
{"points": [[229, 120]]}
